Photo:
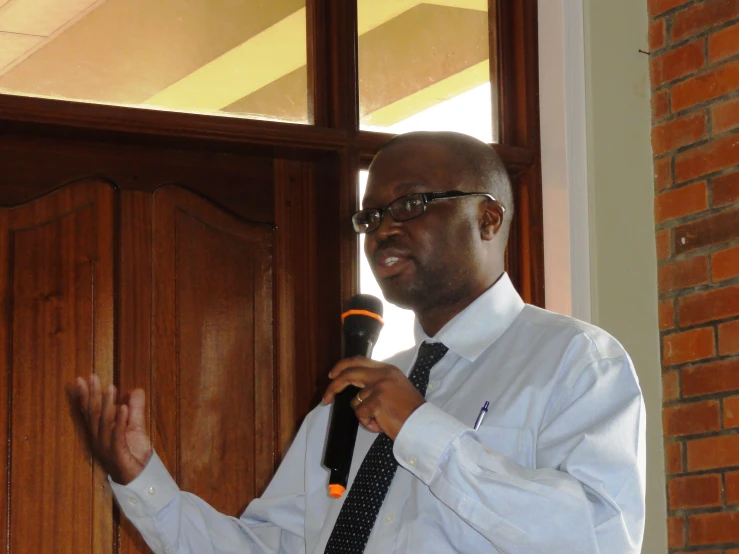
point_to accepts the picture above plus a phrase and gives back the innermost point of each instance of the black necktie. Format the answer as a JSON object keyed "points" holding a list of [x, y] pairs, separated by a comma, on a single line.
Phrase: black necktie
{"points": [[367, 493]]}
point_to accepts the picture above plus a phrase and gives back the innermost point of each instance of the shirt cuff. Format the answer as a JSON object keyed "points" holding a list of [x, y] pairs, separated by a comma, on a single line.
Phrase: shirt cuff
{"points": [[424, 438], [151, 491]]}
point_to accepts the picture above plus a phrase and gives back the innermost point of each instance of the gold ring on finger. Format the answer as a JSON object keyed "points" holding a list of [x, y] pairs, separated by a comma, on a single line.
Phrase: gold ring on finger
{"points": [[359, 399]]}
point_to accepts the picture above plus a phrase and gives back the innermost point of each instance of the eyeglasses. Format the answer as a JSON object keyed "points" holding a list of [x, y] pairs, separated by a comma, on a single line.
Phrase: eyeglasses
{"points": [[406, 208]]}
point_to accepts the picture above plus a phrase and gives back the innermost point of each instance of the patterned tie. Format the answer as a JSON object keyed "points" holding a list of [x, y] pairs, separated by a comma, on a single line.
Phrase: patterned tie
{"points": [[367, 493]]}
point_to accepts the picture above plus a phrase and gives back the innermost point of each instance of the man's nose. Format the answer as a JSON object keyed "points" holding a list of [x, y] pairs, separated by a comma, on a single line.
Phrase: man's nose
{"points": [[388, 227]]}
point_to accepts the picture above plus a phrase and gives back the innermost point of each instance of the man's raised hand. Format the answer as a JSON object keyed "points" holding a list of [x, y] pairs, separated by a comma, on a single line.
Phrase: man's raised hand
{"points": [[117, 431]]}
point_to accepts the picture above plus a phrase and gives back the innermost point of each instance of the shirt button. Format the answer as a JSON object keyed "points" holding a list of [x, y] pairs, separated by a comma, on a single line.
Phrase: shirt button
{"points": [[432, 386], [389, 518], [151, 491], [133, 500], [412, 460], [167, 548]]}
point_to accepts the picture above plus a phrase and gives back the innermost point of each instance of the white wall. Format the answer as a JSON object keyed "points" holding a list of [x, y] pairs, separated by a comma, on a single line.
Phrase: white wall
{"points": [[598, 191]]}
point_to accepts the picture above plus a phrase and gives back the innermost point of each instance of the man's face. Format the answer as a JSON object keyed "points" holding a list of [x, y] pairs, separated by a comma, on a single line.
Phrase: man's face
{"points": [[431, 260]]}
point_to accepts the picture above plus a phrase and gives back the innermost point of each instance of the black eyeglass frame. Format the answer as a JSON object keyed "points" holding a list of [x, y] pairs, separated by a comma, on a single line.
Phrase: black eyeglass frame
{"points": [[425, 196]]}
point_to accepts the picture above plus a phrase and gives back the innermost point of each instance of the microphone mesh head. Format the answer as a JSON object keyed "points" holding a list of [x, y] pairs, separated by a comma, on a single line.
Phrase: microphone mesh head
{"points": [[366, 302]]}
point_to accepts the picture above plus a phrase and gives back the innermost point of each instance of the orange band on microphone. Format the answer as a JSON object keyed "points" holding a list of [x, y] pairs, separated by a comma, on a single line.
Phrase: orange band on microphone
{"points": [[373, 315], [335, 491]]}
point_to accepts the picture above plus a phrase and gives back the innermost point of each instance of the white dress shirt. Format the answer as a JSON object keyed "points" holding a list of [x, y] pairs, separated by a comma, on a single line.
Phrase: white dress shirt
{"points": [[557, 466]]}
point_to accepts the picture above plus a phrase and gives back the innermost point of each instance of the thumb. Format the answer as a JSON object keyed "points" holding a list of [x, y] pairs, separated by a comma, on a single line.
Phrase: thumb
{"points": [[137, 408]]}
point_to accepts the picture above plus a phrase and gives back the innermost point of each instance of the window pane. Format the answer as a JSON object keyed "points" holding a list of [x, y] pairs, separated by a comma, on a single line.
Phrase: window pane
{"points": [[423, 65], [397, 334], [239, 57]]}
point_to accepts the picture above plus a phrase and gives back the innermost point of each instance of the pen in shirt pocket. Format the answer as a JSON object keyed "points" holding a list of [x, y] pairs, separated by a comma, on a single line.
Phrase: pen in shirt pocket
{"points": [[481, 415]]}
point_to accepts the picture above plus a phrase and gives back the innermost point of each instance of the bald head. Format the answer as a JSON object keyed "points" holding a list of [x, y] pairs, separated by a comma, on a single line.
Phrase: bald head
{"points": [[480, 167]]}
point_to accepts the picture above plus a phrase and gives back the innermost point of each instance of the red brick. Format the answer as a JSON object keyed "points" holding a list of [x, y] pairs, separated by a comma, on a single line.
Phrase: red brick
{"points": [[706, 306], [732, 489], [705, 86], [663, 244], [691, 419], [657, 7], [731, 412], [725, 264], [725, 116], [660, 105], [688, 346], [702, 16], [710, 378], [680, 202], [713, 156], [713, 528], [728, 338], [657, 35], [722, 44], [683, 274], [678, 132], [713, 452], [726, 189], [675, 532], [674, 457], [670, 385], [698, 491], [666, 314], [712, 229], [677, 63], [662, 173]]}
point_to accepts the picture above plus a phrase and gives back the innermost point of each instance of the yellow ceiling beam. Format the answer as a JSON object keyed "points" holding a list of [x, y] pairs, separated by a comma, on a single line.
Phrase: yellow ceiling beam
{"points": [[272, 54], [432, 95]]}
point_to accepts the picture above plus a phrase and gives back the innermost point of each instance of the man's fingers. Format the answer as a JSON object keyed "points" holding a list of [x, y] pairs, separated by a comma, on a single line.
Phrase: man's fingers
{"points": [[107, 418], [94, 407], [365, 410], [83, 394], [353, 362], [137, 405], [356, 376], [119, 430]]}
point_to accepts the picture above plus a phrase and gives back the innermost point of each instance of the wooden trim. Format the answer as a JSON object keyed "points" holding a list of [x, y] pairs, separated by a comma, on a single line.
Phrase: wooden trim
{"points": [[285, 276], [518, 74], [495, 67], [156, 123]]}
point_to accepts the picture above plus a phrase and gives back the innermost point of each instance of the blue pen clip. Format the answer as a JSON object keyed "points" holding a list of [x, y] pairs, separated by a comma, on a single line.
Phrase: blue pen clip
{"points": [[480, 417]]}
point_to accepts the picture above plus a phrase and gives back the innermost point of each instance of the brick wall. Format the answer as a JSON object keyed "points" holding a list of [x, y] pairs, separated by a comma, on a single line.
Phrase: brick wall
{"points": [[695, 137]]}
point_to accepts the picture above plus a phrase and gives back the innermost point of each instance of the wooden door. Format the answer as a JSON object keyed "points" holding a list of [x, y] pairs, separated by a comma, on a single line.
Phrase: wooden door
{"points": [[195, 276], [56, 294], [213, 364]]}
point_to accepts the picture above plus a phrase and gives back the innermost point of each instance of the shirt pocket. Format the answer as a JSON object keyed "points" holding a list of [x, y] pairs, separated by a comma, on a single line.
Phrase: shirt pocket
{"points": [[516, 444]]}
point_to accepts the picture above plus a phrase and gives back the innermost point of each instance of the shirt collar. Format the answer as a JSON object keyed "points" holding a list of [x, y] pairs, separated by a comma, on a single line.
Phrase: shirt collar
{"points": [[474, 329]]}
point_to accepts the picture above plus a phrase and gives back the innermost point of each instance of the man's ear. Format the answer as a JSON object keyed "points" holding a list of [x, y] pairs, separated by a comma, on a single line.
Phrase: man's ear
{"points": [[491, 220]]}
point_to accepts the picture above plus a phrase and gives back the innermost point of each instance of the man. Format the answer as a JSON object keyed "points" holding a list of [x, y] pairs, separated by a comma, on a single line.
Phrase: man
{"points": [[556, 466]]}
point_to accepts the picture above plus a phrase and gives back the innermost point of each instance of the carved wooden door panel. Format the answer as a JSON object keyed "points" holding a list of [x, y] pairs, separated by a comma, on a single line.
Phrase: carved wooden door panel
{"points": [[212, 308], [197, 300], [56, 304]]}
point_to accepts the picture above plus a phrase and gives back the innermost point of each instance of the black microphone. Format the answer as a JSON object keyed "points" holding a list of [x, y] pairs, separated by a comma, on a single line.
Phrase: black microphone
{"points": [[362, 324]]}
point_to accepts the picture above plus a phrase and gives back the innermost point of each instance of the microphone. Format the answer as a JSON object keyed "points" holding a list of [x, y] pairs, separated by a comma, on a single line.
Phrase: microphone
{"points": [[362, 324]]}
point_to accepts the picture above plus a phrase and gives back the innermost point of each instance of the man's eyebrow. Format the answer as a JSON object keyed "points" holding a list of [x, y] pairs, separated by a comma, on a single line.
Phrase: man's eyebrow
{"points": [[401, 189]]}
